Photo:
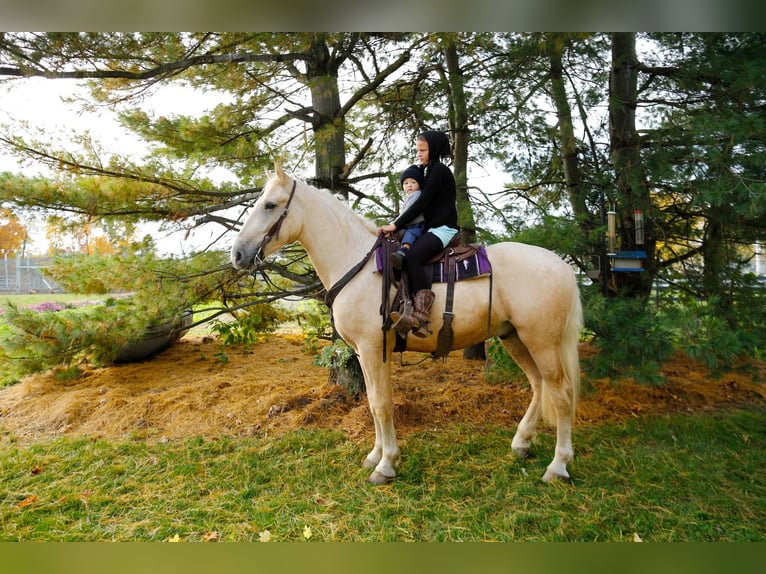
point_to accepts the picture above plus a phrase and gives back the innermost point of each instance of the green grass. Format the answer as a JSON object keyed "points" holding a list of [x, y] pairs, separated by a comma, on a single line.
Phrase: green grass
{"points": [[690, 477], [32, 299]]}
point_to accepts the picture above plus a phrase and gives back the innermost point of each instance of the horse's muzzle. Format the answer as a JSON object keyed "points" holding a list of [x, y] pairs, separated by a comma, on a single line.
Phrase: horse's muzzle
{"points": [[242, 260]]}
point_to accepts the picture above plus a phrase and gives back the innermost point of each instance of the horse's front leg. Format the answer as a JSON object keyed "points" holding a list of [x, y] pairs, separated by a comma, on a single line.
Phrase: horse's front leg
{"points": [[373, 458], [384, 457]]}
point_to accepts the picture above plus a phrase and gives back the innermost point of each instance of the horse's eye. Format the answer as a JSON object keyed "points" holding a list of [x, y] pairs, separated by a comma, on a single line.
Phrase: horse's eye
{"points": [[270, 205]]}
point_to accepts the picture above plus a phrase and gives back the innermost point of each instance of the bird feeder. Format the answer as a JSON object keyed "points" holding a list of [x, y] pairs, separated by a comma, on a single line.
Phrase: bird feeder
{"points": [[625, 261], [594, 268], [611, 230], [638, 221], [628, 261]]}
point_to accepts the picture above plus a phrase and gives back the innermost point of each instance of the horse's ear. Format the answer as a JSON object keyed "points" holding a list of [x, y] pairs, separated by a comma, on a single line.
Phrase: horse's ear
{"points": [[278, 171]]}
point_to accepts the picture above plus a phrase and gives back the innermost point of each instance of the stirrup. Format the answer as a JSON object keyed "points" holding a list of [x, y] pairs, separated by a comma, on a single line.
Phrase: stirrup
{"points": [[422, 330], [397, 258], [404, 322]]}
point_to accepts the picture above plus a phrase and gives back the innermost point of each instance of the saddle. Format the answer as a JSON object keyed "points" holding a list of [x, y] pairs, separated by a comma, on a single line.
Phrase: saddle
{"points": [[455, 263], [471, 260]]}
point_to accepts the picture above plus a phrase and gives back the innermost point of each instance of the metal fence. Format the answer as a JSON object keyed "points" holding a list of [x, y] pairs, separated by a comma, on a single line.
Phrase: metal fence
{"points": [[25, 275]]}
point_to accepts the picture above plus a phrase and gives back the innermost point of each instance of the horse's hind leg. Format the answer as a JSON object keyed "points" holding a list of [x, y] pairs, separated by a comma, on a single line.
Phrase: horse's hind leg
{"points": [[550, 397], [527, 429], [557, 469]]}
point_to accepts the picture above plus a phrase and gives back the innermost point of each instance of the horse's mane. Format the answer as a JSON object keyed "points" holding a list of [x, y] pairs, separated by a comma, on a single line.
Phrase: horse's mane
{"points": [[329, 196]]}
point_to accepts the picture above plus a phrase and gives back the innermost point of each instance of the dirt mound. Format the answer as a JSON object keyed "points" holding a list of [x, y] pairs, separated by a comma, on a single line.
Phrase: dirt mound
{"points": [[198, 388]]}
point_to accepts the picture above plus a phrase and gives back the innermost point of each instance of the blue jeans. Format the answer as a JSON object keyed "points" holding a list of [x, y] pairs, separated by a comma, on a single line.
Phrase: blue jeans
{"points": [[412, 232]]}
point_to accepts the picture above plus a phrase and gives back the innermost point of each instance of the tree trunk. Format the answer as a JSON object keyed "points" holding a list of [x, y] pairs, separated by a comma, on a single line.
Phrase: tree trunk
{"points": [[328, 125], [570, 158], [567, 142], [715, 256], [458, 122], [632, 189], [458, 119]]}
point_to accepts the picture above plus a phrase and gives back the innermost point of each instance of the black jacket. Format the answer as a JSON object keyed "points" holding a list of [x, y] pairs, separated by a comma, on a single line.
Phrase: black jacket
{"points": [[438, 195]]}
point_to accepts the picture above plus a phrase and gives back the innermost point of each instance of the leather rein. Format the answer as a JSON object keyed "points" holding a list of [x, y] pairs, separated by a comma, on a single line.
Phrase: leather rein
{"points": [[332, 293]]}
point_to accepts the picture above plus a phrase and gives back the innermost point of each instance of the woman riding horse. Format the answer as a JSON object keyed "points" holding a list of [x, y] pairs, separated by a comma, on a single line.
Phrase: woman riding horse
{"points": [[437, 203]]}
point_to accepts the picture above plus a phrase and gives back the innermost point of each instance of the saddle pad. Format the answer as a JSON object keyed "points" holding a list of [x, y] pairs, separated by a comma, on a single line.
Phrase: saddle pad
{"points": [[475, 265]]}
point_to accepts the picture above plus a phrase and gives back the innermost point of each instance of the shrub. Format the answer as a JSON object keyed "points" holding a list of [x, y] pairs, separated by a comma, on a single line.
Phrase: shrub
{"points": [[314, 321], [47, 335], [632, 338], [254, 320], [501, 367], [345, 370], [718, 339]]}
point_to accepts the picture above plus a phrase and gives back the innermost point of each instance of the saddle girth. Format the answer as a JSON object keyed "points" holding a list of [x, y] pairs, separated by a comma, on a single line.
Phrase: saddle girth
{"points": [[445, 336]]}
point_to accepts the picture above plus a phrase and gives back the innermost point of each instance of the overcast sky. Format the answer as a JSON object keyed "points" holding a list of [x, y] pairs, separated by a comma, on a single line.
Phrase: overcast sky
{"points": [[42, 104]]}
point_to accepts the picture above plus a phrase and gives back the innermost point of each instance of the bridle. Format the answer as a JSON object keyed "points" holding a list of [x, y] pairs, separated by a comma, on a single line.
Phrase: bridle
{"points": [[335, 289], [274, 229]]}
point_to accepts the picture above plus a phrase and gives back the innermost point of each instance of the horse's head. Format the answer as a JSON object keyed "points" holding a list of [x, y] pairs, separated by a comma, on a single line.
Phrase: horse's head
{"points": [[266, 229]]}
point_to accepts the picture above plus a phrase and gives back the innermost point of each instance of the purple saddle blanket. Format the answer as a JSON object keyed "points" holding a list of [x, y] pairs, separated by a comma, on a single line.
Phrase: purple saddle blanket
{"points": [[475, 265]]}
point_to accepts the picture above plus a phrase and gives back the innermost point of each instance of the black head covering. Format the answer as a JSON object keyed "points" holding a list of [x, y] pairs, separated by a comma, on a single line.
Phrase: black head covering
{"points": [[438, 145], [414, 172]]}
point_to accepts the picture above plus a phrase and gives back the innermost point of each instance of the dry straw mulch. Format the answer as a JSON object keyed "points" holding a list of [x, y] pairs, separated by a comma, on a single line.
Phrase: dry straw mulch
{"points": [[273, 388]]}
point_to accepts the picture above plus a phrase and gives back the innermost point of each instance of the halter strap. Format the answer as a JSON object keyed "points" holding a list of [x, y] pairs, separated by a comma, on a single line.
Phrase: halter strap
{"points": [[274, 230]]}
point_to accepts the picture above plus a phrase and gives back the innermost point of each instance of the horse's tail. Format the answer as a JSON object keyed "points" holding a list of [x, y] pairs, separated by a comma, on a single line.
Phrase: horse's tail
{"points": [[570, 362]]}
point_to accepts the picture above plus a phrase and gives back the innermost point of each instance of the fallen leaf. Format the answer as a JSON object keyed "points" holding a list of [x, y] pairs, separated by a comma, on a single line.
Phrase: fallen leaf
{"points": [[174, 538], [28, 501], [264, 536], [211, 536], [307, 532], [36, 470], [636, 537]]}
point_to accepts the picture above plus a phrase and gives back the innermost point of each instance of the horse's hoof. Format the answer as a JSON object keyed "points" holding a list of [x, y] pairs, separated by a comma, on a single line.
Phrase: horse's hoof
{"points": [[551, 477], [379, 479], [521, 452]]}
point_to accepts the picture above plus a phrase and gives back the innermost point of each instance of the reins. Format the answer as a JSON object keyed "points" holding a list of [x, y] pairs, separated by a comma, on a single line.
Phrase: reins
{"points": [[333, 291]]}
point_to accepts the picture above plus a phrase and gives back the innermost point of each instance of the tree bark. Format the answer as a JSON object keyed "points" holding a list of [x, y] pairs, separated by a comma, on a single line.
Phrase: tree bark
{"points": [[458, 119], [567, 141], [458, 122], [715, 256], [632, 193], [328, 122], [328, 125]]}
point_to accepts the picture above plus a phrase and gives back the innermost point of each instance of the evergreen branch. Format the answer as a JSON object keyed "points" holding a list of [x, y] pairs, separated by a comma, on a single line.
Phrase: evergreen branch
{"points": [[374, 83], [161, 71]]}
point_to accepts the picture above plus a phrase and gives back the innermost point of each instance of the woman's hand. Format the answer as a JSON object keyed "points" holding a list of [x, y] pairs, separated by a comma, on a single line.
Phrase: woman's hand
{"points": [[388, 229]]}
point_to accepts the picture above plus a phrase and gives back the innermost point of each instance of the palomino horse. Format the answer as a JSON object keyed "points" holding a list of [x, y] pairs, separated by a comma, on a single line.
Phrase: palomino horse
{"points": [[535, 311]]}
